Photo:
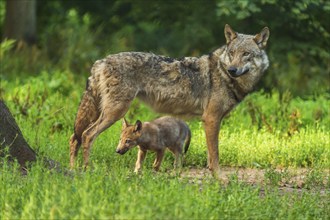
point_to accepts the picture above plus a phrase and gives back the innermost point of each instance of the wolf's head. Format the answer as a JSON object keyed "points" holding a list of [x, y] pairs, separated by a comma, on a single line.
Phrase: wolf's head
{"points": [[129, 136], [244, 54]]}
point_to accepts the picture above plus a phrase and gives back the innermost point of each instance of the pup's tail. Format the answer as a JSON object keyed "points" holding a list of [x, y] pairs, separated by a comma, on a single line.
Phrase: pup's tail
{"points": [[187, 142]]}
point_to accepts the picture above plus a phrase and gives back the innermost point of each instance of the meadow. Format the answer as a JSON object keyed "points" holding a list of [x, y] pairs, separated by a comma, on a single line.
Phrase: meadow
{"points": [[271, 133]]}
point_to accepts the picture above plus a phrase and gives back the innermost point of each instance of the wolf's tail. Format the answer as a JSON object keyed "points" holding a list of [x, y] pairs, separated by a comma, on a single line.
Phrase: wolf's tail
{"points": [[187, 142]]}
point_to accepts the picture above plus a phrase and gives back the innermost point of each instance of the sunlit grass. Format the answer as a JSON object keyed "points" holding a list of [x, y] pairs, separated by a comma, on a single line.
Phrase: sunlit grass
{"points": [[119, 194]]}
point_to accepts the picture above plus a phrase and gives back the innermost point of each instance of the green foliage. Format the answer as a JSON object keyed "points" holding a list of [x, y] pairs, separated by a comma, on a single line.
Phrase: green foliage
{"points": [[240, 9], [2, 13], [73, 34], [5, 46], [71, 46], [282, 112]]}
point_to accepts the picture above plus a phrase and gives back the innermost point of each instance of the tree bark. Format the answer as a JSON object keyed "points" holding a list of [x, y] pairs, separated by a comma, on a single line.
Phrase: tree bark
{"points": [[13, 144], [20, 20], [11, 138]]}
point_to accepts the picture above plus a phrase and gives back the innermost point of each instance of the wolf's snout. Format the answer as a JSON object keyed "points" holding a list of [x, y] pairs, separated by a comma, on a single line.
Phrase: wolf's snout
{"points": [[235, 72], [232, 70], [121, 151]]}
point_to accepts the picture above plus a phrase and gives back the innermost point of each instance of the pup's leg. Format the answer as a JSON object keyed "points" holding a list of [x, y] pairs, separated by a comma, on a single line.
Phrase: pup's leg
{"points": [[178, 160], [140, 158], [159, 159], [178, 154]]}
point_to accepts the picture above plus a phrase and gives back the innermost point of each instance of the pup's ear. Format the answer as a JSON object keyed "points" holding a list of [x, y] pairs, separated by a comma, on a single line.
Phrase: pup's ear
{"points": [[262, 38], [137, 126], [124, 123], [229, 34]]}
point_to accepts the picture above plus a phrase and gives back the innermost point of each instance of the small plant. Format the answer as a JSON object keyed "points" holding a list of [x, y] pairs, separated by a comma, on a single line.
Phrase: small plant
{"points": [[294, 122], [315, 178], [258, 117], [6, 46], [276, 177]]}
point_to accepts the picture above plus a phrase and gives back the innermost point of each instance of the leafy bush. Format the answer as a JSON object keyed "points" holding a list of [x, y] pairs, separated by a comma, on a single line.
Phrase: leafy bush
{"points": [[72, 36], [71, 45]]}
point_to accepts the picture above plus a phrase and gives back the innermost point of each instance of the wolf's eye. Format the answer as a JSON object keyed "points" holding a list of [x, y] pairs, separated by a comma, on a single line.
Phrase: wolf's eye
{"points": [[245, 54], [128, 141]]}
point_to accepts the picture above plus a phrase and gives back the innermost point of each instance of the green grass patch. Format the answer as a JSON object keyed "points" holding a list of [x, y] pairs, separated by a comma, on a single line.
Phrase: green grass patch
{"points": [[116, 193]]}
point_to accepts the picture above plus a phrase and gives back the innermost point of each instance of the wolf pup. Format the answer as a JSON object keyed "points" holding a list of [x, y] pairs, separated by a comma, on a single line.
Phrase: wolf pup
{"points": [[158, 135], [208, 87]]}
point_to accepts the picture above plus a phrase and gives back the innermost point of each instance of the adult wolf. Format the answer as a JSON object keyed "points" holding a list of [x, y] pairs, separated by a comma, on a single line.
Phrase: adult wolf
{"points": [[208, 87]]}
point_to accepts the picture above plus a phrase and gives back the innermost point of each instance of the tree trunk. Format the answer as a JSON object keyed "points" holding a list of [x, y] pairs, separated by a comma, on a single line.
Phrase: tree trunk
{"points": [[13, 142], [20, 20], [11, 138]]}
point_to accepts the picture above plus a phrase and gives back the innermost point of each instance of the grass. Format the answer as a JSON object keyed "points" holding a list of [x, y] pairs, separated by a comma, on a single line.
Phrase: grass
{"points": [[267, 131], [117, 194]]}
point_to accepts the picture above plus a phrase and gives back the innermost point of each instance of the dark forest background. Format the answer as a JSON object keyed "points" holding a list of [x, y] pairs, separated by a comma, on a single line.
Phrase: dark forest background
{"points": [[70, 35]]}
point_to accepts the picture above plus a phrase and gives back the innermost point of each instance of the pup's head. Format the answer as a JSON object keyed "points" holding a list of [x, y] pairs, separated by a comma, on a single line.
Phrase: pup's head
{"points": [[129, 136], [245, 53]]}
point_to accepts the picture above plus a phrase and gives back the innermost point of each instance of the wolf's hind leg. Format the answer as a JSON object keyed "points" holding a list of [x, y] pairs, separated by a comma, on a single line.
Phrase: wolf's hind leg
{"points": [[177, 152], [178, 160], [107, 118], [88, 113], [74, 147], [159, 159]]}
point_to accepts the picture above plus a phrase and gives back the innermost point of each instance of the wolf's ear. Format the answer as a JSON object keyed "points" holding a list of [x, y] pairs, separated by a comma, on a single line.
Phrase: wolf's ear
{"points": [[137, 126], [262, 38], [124, 123], [229, 34]]}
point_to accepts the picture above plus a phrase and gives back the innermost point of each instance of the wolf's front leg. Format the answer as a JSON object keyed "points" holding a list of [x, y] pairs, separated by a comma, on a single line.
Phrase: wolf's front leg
{"points": [[140, 158], [212, 128]]}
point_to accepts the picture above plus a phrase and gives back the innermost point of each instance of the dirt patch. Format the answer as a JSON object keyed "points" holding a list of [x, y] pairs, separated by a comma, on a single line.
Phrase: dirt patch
{"points": [[286, 180]]}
